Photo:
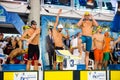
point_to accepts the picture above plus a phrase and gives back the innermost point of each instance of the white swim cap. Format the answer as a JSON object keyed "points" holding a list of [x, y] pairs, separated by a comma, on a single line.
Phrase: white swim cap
{"points": [[60, 26]]}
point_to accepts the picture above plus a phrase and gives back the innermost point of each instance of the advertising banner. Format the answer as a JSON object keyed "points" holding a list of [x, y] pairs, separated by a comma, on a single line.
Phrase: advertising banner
{"points": [[93, 75], [96, 75], [20, 76]]}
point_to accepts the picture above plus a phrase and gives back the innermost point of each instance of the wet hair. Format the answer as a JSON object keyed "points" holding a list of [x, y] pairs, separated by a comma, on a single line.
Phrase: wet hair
{"points": [[33, 22]]}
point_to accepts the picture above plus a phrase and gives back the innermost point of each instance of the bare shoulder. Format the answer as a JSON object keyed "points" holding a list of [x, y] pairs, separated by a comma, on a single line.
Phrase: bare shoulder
{"points": [[93, 36], [37, 31], [38, 28], [28, 30]]}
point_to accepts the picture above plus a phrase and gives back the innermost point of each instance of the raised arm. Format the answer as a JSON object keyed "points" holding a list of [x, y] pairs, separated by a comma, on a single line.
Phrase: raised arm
{"points": [[57, 18], [80, 21], [94, 21]]}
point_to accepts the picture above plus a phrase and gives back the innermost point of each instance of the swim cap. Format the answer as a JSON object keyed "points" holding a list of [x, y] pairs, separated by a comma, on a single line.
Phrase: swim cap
{"points": [[60, 26], [86, 13]]}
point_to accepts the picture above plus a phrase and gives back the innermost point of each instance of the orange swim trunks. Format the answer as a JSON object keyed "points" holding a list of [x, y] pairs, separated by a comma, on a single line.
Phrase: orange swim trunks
{"points": [[98, 55]]}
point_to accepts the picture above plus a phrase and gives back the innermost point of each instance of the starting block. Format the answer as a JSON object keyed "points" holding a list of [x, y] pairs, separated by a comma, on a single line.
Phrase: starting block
{"points": [[67, 58]]}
